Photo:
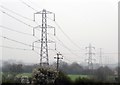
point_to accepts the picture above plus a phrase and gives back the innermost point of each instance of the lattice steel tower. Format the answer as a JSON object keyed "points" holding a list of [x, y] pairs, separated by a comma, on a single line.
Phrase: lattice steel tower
{"points": [[44, 59], [100, 60], [90, 56], [44, 46]]}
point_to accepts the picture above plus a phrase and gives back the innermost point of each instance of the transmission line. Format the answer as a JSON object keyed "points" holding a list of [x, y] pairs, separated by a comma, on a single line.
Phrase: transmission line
{"points": [[34, 4], [21, 42], [15, 48], [65, 33], [15, 13], [15, 30], [10, 29], [27, 5], [15, 41], [18, 14], [63, 45], [32, 27], [56, 51], [68, 60], [16, 18], [18, 41]]}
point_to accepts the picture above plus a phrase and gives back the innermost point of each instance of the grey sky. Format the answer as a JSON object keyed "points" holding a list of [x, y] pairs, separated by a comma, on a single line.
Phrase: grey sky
{"points": [[84, 21]]}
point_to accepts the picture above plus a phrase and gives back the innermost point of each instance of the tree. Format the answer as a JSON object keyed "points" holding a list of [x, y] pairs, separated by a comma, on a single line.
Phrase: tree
{"points": [[75, 68], [103, 73], [16, 68], [63, 79], [44, 76]]}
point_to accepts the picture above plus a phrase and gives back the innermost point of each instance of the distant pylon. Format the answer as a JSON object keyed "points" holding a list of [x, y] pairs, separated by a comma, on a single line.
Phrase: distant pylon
{"points": [[100, 60], [90, 55]]}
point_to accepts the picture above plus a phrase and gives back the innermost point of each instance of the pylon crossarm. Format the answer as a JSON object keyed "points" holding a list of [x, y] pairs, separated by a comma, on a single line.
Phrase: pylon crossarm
{"points": [[39, 26], [48, 26]]}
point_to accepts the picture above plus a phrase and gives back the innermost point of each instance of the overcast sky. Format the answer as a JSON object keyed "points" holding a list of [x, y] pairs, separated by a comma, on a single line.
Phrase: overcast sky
{"points": [[84, 21]]}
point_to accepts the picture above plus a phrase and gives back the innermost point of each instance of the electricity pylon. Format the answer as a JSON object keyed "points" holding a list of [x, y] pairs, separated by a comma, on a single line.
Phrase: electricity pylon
{"points": [[44, 57], [90, 55], [100, 60]]}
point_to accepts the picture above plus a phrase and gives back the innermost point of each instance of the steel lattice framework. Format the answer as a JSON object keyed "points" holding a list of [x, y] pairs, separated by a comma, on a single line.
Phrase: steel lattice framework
{"points": [[44, 58]]}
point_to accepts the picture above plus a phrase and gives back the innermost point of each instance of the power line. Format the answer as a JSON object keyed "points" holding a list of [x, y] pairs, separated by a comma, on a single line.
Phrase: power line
{"points": [[36, 52], [68, 60], [15, 41], [62, 44], [34, 4], [15, 48], [66, 35], [16, 18], [15, 13], [70, 38], [21, 42], [18, 41], [110, 53], [28, 5], [10, 29], [32, 27], [15, 30]]}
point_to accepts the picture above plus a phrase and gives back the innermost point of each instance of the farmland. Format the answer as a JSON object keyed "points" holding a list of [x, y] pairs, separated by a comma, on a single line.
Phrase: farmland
{"points": [[24, 74], [73, 77], [17, 71]]}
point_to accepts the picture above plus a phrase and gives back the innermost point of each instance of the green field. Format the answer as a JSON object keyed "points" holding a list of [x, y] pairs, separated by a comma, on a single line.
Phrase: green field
{"points": [[24, 74], [73, 77], [0, 77]]}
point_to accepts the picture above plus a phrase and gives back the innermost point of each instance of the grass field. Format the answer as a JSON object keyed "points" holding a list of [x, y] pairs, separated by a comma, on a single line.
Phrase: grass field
{"points": [[24, 74], [73, 77], [0, 77]]}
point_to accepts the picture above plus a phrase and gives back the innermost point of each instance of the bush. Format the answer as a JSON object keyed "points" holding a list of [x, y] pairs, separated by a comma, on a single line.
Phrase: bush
{"points": [[44, 76], [8, 78], [63, 79]]}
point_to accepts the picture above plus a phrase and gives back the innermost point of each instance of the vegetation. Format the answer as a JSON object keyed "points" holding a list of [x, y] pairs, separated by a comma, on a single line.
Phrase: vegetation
{"points": [[74, 77], [13, 73], [44, 76], [24, 74]]}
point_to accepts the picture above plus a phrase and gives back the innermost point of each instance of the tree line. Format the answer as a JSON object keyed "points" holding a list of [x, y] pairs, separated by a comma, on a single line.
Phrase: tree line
{"points": [[101, 73]]}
